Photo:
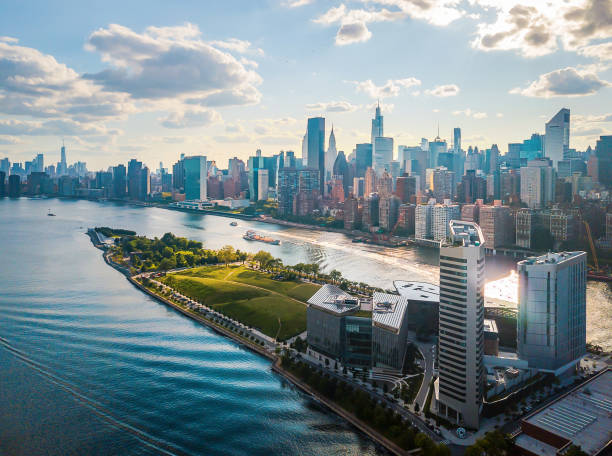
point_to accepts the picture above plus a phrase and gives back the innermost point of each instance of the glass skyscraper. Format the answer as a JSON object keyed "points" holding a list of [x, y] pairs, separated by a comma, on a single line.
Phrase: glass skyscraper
{"points": [[316, 147], [556, 140], [196, 171]]}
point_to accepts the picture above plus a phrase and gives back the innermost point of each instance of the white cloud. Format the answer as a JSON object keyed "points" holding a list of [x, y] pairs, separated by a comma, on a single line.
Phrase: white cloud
{"points": [[566, 82], [391, 88], [601, 51], [499, 115], [470, 113], [443, 91], [332, 106], [297, 3], [355, 32], [238, 46], [6, 140], [191, 118]]}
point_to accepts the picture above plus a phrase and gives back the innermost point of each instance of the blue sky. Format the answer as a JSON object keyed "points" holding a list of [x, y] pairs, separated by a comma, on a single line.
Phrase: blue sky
{"points": [[153, 79]]}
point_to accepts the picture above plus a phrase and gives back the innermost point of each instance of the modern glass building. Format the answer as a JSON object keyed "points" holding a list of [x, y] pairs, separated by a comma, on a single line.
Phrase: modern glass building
{"points": [[389, 331], [556, 139], [552, 310], [316, 147], [357, 342], [196, 173], [382, 153]]}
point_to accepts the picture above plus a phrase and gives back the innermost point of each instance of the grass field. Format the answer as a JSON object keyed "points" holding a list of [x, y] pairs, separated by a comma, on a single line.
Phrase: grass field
{"points": [[252, 297]]}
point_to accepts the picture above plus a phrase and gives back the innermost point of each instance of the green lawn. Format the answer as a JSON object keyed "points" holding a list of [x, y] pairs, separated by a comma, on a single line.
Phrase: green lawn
{"points": [[227, 290]]}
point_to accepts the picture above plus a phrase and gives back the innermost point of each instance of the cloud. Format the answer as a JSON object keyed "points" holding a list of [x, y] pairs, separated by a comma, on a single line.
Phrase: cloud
{"points": [[297, 3], [236, 45], [6, 140], [391, 88], [469, 113], [537, 27], [443, 91], [191, 118], [435, 12], [566, 82], [601, 51], [332, 106], [499, 115], [54, 127], [352, 33], [168, 62]]}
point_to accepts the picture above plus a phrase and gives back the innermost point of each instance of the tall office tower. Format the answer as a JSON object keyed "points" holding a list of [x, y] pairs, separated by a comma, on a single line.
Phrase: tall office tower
{"points": [[254, 164], [537, 183], [14, 186], [423, 220], [341, 169], [5, 165], [316, 147], [377, 125], [556, 138], [436, 147], [119, 182], [358, 187], [456, 140], [351, 213], [461, 319], [441, 215], [262, 184], [388, 211], [492, 160], [496, 224], [2, 184], [62, 166], [305, 149], [144, 188], [196, 174], [287, 189], [38, 164], [133, 179], [178, 176], [382, 153], [602, 173], [552, 310], [370, 211], [363, 158], [370, 181], [331, 154]]}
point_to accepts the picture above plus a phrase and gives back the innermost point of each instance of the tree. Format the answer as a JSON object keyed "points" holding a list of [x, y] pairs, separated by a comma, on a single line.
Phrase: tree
{"points": [[335, 275], [263, 258], [226, 255], [494, 443], [542, 239], [575, 450]]}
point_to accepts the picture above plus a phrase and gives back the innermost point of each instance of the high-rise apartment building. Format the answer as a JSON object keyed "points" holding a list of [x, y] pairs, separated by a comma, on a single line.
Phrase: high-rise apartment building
{"points": [[443, 183], [496, 225], [525, 225], [538, 183], [436, 147], [388, 211], [456, 140], [423, 220], [262, 184], [316, 148], [557, 136], [196, 177], [461, 332], [552, 310], [441, 216]]}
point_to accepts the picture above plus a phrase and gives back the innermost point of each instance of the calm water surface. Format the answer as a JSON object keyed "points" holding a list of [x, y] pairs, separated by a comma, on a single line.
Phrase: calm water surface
{"points": [[90, 365]]}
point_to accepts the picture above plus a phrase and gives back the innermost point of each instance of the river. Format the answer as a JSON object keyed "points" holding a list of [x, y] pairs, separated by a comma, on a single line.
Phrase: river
{"points": [[90, 365]]}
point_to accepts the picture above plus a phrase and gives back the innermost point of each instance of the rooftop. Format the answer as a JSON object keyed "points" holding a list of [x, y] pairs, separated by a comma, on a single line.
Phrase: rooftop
{"points": [[490, 326], [332, 299], [468, 234], [582, 416], [417, 291], [551, 258], [388, 310]]}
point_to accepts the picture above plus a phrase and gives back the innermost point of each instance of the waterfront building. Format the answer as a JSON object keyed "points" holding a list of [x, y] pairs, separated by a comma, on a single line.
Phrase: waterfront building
{"points": [[196, 175], [388, 207], [2, 184], [557, 137], [5, 166], [351, 213], [178, 176], [551, 329], [423, 306], [406, 215], [389, 331], [461, 372], [358, 187], [423, 220], [382, 153], [316, 148], [441, 216], [287, 189], [14, 186], [525, 225], [581, 417], [470, 212], [370, 211], [496, 225]]}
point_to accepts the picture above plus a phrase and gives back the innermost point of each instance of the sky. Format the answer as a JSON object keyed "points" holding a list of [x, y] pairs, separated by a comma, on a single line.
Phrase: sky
{"points": [[153, 79]]}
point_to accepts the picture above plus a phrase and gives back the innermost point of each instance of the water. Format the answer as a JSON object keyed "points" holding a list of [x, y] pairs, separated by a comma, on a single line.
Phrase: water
{"points": [[90, 365]]}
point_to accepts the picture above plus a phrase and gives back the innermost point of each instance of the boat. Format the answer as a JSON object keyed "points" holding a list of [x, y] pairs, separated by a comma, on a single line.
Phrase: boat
{"points": [[253, 236], [234, 224], [50, 214]]}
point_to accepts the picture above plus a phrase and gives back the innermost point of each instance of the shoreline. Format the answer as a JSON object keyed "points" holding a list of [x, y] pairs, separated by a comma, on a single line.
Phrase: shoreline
{"points": [[275, 360]]}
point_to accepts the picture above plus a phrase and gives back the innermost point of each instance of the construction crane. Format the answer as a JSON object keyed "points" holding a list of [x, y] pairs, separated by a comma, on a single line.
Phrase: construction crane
{"points": [[588, 231]]}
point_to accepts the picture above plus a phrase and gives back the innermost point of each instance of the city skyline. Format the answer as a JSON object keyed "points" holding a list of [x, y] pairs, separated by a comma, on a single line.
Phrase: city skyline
{"points": [[104, 83]]}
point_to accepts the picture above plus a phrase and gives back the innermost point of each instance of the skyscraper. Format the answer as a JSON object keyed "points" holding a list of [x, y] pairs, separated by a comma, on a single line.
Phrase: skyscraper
{"points": [[382, 152], [556, 139], [363, 158], [316, 147], [196, 174], [457, 140], [461, 320], [537, 183], [331, 154], [377, 125], [436, 147], [552, 310]]}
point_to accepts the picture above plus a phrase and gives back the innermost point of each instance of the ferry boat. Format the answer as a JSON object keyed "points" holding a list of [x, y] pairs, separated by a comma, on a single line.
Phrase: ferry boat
{"points": [[50, 214], [253, 236], [234, 224]]}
